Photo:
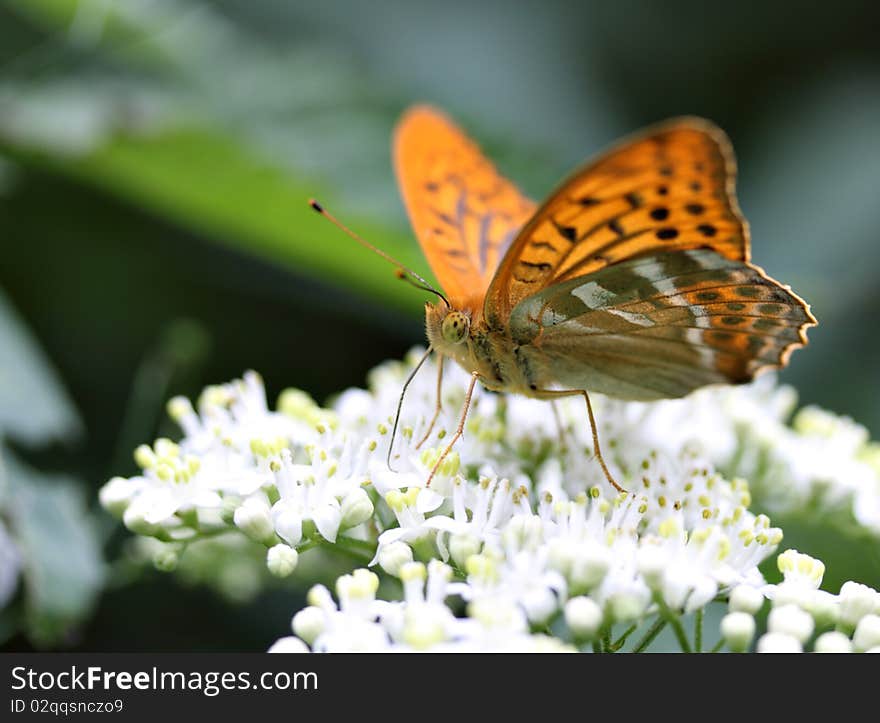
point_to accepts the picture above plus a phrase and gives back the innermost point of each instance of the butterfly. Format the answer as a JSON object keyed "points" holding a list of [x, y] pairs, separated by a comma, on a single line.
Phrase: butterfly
{"points": [[632, 279]]}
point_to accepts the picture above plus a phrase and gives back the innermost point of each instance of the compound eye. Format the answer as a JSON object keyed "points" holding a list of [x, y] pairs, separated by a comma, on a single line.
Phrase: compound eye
{"points": [[455, 327]]}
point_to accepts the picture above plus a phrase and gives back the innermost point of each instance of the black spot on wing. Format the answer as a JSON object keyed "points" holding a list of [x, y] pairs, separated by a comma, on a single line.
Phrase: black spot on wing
{"points": [[661, 213], [569, 233], [540, 266]]}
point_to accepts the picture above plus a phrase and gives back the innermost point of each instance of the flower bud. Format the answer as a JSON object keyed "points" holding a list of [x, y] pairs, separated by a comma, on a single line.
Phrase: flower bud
{"points": [[281, 560], [746, 599], [254, 519], [135, 519], [356, 508], [791, 620], [832, 642], [288, 523], [856, 601], [462, 546], [424, 626], [738, 630], [583, 617], [309, 623], [116, 495], [779, 643], [627, 606], [589, 565], [394, 556], [652, 564], [867, 633], [165, 559], [289, 644]]}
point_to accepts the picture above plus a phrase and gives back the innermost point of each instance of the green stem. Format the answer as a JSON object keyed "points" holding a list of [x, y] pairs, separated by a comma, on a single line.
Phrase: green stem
{"points": [[652, 633], [618, 644], [698, 630], [597, 647], [606, 641], [675, 621], [361, 550], [717, 646]]}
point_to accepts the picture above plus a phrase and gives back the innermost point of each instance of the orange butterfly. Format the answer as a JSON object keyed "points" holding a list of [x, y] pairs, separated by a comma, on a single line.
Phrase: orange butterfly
{"points": [[632, 279]]}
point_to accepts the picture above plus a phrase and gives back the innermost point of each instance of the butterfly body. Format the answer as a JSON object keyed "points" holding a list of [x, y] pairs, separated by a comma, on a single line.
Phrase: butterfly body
{"points": [[493, 355]]}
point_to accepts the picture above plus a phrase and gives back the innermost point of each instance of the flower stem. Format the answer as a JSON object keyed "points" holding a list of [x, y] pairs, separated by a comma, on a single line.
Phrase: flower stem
{"points": [[361, 550], [652, 633], [717, 646], [675, 621], [618, 644], [698, 630]]}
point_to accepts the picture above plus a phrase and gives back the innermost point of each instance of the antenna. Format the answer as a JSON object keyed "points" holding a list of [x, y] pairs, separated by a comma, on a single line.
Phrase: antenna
{"points": [[403, 273]]}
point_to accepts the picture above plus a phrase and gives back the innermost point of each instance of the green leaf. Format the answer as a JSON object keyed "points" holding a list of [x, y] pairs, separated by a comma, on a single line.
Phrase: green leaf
{"points": [[62, 567], [205, 180], [34, 407], [219, 133]]}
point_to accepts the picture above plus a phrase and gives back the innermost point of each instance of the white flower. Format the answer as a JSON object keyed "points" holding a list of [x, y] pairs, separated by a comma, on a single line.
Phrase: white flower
{"points": [[856, 601], [409, 508], [746, 599], [738, 630], [792, 621], [802, 576], [521, 509], [867, 634], [289, 644], [393, 556], [583, 617], [779, 643], [172, 482], [356, 508], [518, 573], [832, 642], [117, 494], [281, 560], [254, 519], [351, 627], [306, 494], [425, 621], [309, 623], [479, 512]]}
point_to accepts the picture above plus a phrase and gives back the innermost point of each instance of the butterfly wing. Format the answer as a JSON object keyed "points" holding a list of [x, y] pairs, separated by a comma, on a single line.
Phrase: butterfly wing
{"points": [[660, 325], [669, 188], [464, 213]]}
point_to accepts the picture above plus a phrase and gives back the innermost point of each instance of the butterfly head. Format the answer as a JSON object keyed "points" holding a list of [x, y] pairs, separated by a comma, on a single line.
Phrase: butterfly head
{"points": [[446, 328]]}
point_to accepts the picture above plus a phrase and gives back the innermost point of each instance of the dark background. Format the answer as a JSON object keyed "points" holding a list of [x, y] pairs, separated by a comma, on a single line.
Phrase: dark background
{"points": [[135, 299]]}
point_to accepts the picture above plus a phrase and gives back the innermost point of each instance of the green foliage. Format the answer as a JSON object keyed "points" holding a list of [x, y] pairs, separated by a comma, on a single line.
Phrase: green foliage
{"points": [[46, 514], [63, 572], [34, 407]]}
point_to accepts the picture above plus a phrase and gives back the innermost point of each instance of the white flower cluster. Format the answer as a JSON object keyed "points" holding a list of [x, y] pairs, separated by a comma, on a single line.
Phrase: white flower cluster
{"points": [[519, 543], [819, 461], [801, 613]]}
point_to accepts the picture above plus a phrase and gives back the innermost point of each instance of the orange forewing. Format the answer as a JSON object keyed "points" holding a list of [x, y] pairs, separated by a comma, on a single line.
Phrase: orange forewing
{"points": [[464, 213], [670, 188]]}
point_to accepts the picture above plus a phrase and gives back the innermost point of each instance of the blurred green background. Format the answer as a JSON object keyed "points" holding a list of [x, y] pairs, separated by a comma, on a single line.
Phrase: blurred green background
{"points": [[156, 157]]}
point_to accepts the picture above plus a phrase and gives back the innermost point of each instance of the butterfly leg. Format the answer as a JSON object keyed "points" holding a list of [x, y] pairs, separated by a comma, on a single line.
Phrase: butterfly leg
{"points": [[458, 432], [552, 394], [406, 384], [439, 406]]}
